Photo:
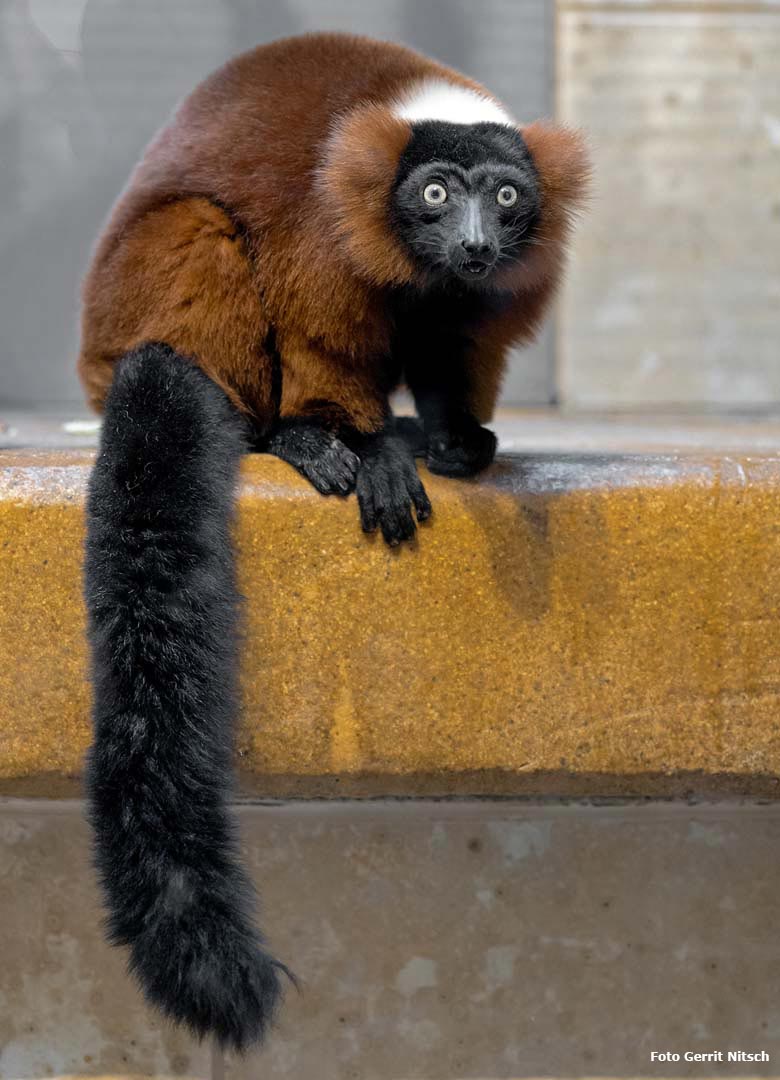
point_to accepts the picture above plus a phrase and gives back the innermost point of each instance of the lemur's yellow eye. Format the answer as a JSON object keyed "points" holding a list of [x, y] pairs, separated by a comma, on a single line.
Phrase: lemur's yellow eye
{"points": [[435, 194], [507, 195]]}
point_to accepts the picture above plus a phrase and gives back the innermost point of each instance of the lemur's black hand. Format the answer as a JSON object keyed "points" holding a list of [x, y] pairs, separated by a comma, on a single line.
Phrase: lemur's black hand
{"points": [[462, 450], [317, 453], [388, 487]]}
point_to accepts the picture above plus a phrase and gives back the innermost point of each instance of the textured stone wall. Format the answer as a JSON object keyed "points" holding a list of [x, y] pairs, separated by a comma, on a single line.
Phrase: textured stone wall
{"points": [[674, 295]]}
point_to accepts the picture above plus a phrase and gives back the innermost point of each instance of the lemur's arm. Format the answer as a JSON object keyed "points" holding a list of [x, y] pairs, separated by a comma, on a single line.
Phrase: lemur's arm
{"points": [[455, 374], [181, 275], [335, 427], [442, 371]]}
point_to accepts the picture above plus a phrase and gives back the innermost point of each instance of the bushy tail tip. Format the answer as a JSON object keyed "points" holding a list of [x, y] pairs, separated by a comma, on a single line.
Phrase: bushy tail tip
{"points": [[218, 981]]}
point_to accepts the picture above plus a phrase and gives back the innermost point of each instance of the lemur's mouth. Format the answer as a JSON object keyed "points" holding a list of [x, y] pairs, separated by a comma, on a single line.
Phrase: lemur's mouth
{"points": [[475, 267]]}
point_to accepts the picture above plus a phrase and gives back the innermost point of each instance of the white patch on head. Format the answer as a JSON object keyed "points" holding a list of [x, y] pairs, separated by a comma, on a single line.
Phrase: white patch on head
{"points": [[437, 99]]}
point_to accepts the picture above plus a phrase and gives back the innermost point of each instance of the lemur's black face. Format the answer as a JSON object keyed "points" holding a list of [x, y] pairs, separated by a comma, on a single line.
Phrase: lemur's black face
{"points": [[466, 200]]}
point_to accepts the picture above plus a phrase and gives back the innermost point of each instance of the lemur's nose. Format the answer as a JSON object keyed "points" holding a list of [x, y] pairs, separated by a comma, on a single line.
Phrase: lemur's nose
{"points": [[472, 231], [476, 247]]}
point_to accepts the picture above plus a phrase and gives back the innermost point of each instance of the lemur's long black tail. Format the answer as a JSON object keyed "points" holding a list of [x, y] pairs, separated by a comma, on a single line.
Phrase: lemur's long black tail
{"points": [[162, 603]]}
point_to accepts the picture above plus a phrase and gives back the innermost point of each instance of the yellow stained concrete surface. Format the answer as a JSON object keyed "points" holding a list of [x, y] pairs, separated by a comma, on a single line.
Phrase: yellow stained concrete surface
{"points": [[566, 625]]}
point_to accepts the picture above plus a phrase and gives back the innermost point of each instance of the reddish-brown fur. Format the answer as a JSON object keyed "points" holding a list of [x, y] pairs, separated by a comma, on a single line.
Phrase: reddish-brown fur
{"points": [[264, 204]]}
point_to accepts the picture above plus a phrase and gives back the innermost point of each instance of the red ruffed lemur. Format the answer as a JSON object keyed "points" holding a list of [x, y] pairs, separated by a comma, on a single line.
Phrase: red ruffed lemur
{"points": [[323, 219]]}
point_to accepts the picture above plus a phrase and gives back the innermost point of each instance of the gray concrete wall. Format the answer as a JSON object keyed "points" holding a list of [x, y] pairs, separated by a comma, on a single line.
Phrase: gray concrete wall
{"points": [[434, 941], [674, 294], [85, 83]]}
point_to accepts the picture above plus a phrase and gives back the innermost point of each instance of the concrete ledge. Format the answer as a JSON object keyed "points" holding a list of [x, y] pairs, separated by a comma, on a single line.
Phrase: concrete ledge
{"points": [[577, 625]]}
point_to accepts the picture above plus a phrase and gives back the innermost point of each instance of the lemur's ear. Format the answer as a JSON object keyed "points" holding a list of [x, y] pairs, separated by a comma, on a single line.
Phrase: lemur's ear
{"points": [[560, 155], [356, 180], [561, 158]]}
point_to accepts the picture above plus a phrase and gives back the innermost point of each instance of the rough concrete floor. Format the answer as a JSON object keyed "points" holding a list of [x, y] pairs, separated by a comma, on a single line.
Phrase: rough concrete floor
{"points": [[520, 430], [445, 941]]}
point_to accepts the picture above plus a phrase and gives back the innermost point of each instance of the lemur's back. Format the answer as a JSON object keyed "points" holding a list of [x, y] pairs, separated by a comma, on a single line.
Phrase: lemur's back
{"points": [[262, 118]]}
